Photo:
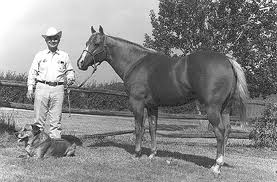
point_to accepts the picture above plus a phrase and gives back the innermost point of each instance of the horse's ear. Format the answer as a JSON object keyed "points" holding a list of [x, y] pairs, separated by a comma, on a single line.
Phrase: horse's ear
{"points": [[92, 29], [101, 29]]}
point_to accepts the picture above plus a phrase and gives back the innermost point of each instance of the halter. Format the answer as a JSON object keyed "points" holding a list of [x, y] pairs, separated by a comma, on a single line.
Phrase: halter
{"points": [[105, 50], [94, 64]]}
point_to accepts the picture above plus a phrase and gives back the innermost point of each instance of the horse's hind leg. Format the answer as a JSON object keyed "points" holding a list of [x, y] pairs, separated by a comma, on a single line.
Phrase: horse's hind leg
{"points": [[221, 131], [152, 119], [138, 110]]}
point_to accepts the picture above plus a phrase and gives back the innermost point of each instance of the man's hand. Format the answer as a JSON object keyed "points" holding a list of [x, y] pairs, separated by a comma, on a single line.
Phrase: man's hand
{"points": [[30, 94], [70, 82]]}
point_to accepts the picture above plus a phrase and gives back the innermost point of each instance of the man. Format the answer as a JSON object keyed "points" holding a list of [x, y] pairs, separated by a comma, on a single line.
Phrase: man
{"points": [[50, 71]]}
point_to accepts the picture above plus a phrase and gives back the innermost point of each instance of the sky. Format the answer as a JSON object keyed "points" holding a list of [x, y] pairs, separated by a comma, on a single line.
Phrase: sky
{"points": [[24, 21]]}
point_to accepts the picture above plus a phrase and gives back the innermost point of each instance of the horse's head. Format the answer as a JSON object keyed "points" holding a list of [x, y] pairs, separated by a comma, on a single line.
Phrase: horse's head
{"points": [[95, 52]]}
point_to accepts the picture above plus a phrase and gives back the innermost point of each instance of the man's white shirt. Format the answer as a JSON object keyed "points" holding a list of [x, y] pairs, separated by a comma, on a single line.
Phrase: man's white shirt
{"points": [[50, 67]]}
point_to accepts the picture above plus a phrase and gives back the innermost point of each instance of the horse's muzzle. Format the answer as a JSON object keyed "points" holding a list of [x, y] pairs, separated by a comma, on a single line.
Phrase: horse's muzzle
{"points": [[83, 68], [80, 64]]}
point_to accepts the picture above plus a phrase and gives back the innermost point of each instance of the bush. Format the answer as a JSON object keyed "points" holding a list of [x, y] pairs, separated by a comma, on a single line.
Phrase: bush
{"points": [[96, 101], [7, 123], [12, 75], [264, 133]]}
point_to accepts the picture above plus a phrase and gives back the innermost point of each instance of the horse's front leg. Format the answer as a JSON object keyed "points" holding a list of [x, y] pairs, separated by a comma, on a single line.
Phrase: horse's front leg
{"points": [[138, 110], [152, 119]]}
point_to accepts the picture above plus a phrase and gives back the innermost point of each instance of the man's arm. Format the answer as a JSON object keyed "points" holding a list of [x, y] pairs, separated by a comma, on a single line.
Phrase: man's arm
{"points": [[70, 73], [33, 72]]}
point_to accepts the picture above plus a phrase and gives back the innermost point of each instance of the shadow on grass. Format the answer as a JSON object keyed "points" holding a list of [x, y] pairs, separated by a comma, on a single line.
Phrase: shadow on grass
{"points": [[196, 159], [172, 127], [72, 139]]}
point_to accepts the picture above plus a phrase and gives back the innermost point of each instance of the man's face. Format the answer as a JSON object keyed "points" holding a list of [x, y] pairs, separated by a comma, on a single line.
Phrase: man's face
{"points": [[52, 42]]}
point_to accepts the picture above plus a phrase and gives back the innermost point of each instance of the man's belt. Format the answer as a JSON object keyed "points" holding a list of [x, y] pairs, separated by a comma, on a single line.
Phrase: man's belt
{"points": [[50, 83]]}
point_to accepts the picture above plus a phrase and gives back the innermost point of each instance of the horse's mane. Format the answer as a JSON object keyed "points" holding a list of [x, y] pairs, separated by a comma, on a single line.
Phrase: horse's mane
{"points": [[132, 43]]}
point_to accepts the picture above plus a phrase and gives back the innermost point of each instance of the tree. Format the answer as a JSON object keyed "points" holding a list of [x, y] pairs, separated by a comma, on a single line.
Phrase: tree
{"points": [[245, 29]]}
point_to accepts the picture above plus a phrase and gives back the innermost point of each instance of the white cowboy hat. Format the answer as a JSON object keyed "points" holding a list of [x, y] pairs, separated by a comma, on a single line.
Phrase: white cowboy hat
{"points": [[52, 32]]}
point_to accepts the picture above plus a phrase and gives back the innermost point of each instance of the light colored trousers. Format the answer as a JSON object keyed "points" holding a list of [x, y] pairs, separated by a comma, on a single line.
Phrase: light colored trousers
{"points": [[49, 100]]}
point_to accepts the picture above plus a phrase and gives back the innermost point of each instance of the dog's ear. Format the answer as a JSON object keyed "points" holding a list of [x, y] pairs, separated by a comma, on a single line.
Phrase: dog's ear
{"points": [[35, 129], [26, 127]]}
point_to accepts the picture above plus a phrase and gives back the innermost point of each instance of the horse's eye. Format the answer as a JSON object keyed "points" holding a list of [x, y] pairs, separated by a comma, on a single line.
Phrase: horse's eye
{"points": [[96, 44]]}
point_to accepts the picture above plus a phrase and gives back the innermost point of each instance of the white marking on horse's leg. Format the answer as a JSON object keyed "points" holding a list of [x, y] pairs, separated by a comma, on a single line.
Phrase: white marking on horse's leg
{"points": [[216, 167], [152, 156], [216, 170], [220, 160]]}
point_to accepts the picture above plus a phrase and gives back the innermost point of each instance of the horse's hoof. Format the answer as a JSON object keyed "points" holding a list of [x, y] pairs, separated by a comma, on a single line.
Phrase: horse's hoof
{"points": [[138, 154], [216, 170], [151, 156]]}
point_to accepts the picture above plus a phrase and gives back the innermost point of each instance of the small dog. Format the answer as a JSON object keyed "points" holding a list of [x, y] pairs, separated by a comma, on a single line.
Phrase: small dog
{"points": [[38, 144]]}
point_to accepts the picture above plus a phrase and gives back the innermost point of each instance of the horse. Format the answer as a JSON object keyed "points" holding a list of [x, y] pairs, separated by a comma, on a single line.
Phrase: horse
{"points": [[153, 79]]}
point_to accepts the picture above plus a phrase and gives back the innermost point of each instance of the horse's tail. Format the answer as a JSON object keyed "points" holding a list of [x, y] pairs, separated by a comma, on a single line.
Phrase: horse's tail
{"points": [[241, 92]]}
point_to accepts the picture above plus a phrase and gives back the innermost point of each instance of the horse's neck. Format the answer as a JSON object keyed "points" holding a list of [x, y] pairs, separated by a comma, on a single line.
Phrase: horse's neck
{"points": [[124, 55]]}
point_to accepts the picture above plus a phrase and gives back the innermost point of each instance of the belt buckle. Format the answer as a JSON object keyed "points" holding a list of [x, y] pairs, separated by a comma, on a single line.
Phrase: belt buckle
{"points": [[52, 83]]}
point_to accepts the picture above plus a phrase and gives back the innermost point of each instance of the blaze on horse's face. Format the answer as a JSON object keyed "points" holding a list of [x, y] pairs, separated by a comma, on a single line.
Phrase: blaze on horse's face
{"points": [[94, 46]]}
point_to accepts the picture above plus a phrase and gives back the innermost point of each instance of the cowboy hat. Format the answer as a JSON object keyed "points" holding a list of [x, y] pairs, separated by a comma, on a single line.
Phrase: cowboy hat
{"points": [[52, 32]]}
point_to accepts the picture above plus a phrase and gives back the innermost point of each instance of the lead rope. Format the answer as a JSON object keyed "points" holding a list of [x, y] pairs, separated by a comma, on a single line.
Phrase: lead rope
{"points": [[68, 89], [68, 100], [94, 69]]}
